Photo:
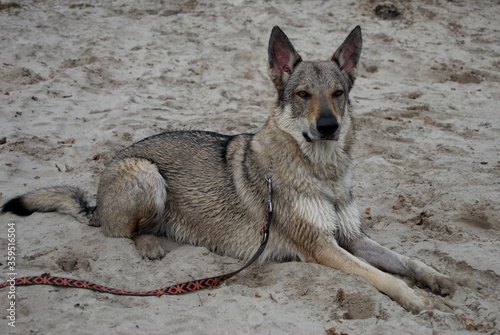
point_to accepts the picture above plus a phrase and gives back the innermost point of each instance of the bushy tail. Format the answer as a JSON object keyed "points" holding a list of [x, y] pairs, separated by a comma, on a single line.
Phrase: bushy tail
{"points": [[63, 199]]}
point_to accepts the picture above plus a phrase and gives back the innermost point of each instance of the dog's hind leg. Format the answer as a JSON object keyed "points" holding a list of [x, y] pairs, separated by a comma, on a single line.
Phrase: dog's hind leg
{"points": [[390, 261], [149, 246], [132, 194]]}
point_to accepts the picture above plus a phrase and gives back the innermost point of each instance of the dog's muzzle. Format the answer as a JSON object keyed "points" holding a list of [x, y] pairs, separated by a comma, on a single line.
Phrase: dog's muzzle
{"points": [[327, 126], [326, 129]]}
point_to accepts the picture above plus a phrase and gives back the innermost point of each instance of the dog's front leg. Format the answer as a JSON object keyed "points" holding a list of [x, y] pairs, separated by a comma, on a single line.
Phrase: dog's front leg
{"points": [[390, 261], [332, 255]]}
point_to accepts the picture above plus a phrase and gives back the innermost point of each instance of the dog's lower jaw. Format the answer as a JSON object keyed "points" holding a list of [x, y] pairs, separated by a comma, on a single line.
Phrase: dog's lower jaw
{"points": [[335, 137]]}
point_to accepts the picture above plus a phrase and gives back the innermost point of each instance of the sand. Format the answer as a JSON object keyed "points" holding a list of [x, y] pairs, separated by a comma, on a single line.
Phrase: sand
{"points": [[82, 79]]}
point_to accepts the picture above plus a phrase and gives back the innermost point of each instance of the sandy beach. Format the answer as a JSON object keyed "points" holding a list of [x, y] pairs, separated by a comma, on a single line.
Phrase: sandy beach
{"points": [[80, 80]]}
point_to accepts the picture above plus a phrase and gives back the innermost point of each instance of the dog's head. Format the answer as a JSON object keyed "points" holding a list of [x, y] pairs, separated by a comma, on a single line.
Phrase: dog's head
{"points": [[313, 96]]}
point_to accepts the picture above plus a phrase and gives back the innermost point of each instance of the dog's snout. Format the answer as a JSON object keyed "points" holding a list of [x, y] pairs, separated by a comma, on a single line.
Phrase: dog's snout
{"points": [[327, 125]]}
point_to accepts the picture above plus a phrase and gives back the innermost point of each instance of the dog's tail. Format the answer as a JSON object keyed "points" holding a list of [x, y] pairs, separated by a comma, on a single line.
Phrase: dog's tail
{"points": [[63, 199]]}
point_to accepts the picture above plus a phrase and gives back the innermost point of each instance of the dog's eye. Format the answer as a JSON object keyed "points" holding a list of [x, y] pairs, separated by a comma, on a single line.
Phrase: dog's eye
{"points": [[303, 94], [338, 93]]}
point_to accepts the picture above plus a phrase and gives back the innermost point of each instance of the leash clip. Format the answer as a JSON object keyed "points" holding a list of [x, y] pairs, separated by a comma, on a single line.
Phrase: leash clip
{"points": [[270, 193], [264, 232]]}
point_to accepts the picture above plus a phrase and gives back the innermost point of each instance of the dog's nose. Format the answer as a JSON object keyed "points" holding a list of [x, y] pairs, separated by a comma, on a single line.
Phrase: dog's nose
{"points": [[327, 125]]}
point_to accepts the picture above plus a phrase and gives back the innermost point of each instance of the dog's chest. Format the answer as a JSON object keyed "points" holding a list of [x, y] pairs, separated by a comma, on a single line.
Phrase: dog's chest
{"points": [[339, 219], [327, 209], [317, 203], [316, 211]]}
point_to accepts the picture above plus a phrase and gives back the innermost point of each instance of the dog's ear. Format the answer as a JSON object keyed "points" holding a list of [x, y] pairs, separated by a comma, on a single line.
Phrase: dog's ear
{"points": [[282, 58], [347, 55]]}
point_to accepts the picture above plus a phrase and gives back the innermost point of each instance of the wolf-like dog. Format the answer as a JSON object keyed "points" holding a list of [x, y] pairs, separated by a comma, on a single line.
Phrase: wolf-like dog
{"points": [[210, 189]]}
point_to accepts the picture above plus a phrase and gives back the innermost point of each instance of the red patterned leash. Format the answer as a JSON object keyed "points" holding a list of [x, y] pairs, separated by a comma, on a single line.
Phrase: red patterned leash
{"points": [[190, 286]]}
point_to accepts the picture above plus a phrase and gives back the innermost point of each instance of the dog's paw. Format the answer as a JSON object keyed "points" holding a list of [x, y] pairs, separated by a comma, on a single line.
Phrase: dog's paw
{"points": [[426, 276], [418, 304], [439, 284], [433, 303], [149, 246]]}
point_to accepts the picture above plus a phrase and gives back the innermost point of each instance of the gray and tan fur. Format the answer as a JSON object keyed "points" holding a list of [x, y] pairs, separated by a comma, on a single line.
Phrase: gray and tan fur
{"points": [[209, 189]]}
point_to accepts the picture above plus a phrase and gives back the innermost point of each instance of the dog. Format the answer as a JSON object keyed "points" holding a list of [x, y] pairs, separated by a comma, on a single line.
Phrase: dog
{"points": [[210, 189]]}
